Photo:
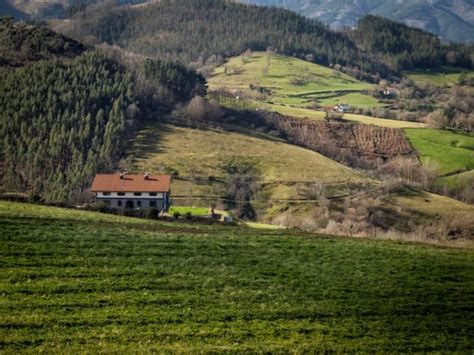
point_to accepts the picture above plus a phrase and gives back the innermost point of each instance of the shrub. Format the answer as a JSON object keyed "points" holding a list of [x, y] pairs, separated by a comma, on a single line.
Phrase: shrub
{"points": [[152, 213]]}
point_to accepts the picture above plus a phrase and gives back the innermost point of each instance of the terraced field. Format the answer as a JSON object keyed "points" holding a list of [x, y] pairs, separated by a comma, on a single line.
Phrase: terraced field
{"points": [[285, 76], [290, 81], [76, 281], [290, 86]]}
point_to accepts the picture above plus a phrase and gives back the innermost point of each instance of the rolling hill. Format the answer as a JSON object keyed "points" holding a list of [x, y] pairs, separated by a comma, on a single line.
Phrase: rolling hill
{"points": [[287, 79], [196, 157], [203, 31], [76, 281], [291, 86], [452, 20]]}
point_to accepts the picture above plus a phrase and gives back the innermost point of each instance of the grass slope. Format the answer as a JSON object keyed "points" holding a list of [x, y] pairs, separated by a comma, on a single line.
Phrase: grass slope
{"points": [[85, 282], [197, 154], [294, 84], [290, 80], [299, 112], [449, 151], [444, 76], [278, 72], [436, 206]]}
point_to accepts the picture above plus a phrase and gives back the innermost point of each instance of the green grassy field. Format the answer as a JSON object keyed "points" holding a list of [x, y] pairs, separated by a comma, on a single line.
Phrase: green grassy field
{"points": [[449, 151], [293, 85], [291, 81], [457, 180], [197, 154], [444, 76], [300, 112], [353, 99], [282, 74], [195, 211], [86, 282]]}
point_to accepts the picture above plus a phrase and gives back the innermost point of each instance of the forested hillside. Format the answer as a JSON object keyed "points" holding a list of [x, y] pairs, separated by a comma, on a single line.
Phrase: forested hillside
{"points": [[205, 31], [21, 43], [62, 123], [451, 20], [404, 47]]}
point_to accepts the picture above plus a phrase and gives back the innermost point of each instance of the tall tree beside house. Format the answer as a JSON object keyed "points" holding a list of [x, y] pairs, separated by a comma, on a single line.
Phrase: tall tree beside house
{"points": [[62, 122]]}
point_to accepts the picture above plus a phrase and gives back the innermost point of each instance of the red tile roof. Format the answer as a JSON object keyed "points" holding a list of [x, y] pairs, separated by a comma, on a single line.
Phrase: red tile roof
{"points": [[131, 183]]}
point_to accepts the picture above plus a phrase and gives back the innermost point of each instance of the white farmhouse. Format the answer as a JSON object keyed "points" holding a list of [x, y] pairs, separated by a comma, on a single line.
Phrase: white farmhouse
{"points": [[132, 192]]}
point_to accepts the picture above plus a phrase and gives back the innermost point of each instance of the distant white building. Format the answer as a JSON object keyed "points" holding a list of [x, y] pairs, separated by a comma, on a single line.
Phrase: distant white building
{"points": [[133, 192], [390, 92], [342, 108]]}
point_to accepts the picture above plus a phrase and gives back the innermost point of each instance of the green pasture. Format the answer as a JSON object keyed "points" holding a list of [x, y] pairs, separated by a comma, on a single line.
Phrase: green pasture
{"points": [[448, 151], [196, 158], [352, 99], [291, 81], [299, 112], [195, 211], [282, 74], [443, 76], [81, 282]]}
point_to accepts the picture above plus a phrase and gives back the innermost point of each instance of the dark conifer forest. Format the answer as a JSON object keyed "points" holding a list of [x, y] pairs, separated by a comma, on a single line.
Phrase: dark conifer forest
{"points": [[22, 43], [62, 123], [402, 47], [201, 31], [183, 83]]}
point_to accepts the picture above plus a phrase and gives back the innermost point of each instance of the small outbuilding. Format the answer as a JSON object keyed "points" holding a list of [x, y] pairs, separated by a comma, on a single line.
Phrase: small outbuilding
{"points": [[133, 192]]}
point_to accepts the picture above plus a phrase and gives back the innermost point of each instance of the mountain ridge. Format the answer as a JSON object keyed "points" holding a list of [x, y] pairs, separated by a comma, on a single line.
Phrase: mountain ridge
{"points": [[451, 20]]}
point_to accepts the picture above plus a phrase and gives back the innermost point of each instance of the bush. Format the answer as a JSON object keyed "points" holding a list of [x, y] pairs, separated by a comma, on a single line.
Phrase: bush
{"points": [[152, 213], [176, 215]]}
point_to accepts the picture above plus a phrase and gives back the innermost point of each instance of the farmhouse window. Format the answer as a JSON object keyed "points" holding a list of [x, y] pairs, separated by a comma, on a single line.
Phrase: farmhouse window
{"points": [[106, 193], [119, 203], [152, 203], [137, 194], [153, 193], [139, 203], [121, 193]]}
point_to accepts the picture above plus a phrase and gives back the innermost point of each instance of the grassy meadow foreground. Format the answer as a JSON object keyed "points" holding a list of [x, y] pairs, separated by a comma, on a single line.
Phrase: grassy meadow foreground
{"points": [[81, 281]]}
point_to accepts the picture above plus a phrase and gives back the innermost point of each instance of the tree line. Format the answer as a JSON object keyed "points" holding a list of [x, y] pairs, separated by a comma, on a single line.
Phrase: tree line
{"points": [[402, 47], [196, 31]]}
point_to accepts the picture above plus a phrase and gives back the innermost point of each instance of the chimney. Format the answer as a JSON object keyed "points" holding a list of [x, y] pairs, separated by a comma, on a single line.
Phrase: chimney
{"points": [[122, 175], [147, 176]]}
